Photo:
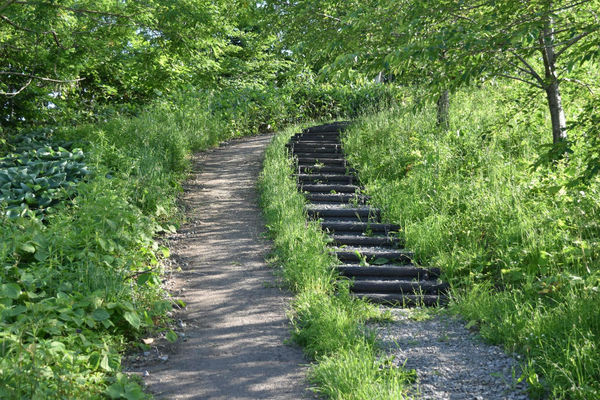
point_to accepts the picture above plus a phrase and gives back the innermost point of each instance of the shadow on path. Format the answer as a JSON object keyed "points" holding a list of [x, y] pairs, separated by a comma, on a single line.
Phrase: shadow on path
{"points": [[234, 347]]}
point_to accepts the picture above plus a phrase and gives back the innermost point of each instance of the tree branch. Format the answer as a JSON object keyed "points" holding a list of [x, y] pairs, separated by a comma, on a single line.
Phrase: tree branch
{"points": [[76, 10], [529, 68], [574, 40], [522, 80], [13, 94], [41, 78], [329, 16], [585, 85], [22, 28]]}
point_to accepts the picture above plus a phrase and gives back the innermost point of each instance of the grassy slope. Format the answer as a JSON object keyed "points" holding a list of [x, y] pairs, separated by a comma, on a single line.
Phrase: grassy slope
{"points": [[518, 244], [327, 322]]}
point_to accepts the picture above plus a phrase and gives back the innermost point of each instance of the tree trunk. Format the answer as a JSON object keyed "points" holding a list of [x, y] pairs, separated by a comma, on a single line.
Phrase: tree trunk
{"points": [[557, 113], [443, 110]]}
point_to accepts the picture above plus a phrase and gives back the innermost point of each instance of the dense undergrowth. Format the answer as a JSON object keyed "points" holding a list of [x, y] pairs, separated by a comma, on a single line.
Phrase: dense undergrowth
{"points": [[327, 321], [80, 278], [517, 238]]}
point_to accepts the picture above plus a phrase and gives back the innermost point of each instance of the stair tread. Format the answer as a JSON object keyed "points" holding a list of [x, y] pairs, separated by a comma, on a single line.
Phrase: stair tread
{"points": [[351, 225], [387, 270], [327, 188], [365, 240]]}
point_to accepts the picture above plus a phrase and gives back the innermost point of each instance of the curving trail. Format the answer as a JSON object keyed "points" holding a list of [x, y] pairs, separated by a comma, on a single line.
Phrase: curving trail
{"points": [[235, 315]]}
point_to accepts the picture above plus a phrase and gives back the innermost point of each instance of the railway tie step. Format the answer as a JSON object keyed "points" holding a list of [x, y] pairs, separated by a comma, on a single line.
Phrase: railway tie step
{"points": [[309, 169], [337, 211], [319, 162], [325, 188], [318, 156], [372, 254], [363, 227], [368, 250], [337, 198], [361, 240], [328, 178], [388, 271]]}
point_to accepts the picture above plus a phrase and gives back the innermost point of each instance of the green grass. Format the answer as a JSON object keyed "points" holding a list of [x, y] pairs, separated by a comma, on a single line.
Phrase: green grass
{"points": [[327, 322], [519, 244]]}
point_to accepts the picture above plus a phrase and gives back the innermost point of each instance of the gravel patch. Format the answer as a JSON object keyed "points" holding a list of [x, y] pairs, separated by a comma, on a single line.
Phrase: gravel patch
{"points": [[451, 362]]}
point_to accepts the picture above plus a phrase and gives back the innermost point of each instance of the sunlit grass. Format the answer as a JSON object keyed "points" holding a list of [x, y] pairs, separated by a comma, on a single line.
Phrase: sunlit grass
{"points": [[520, 246]]}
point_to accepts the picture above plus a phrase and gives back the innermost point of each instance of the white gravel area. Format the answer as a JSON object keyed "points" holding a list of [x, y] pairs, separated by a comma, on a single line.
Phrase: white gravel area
{"points": [[451, 362]]}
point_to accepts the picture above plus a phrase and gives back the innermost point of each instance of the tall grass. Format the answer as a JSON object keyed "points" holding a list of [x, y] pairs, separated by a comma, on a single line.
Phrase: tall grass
{"points": [[518, 243], [327, 321]]}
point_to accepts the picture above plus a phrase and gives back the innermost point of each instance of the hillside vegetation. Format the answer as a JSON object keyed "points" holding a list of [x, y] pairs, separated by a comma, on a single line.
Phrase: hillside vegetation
{"points": [[518, 241]]}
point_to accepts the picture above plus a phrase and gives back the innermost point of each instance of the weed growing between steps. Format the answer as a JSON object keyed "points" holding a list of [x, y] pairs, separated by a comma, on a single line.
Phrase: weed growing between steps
{"points": [[327, 322], [83, 283], [520, 245]]}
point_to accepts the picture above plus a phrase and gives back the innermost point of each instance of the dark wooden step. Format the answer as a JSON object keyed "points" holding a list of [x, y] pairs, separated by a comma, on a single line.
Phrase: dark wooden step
{"points": [[318, 156], [314, 150], [359, 227], [372, 254], [315, 143], [361, 240], [363, 212], [311, 169], [333, 127], [315, 137], [405, 300], [325, 188], [298, 145], [315, 161], [325, 178], [370, 285], [388, 271], [337, 198]]}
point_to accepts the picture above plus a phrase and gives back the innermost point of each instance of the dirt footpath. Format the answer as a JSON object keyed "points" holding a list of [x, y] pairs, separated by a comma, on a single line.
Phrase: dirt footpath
{"points": [[235, 317]]}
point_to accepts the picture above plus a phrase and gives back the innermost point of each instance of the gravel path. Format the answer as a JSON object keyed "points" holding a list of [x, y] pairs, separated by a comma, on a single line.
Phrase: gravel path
{"points": [[235, 321], [451, 362]]}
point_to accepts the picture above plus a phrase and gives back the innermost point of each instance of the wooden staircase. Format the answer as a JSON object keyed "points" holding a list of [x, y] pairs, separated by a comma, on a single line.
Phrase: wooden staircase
{"points": [[369, 252]]}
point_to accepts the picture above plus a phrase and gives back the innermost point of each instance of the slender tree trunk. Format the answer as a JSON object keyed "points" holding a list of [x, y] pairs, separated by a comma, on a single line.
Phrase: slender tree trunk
{"points": [[443, 110], [557, 112]]}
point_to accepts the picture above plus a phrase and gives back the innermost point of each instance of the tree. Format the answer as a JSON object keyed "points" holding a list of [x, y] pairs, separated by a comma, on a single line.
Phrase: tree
{"points": [[538, 42], [103, 51]]}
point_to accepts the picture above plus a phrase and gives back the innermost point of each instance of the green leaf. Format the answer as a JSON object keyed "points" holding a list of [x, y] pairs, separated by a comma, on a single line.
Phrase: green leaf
{"points": [[143, 278], [133, 318], [100, 314], [133, 391], [380, 261], [27, 248], [104, 364], [10, 290]]}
